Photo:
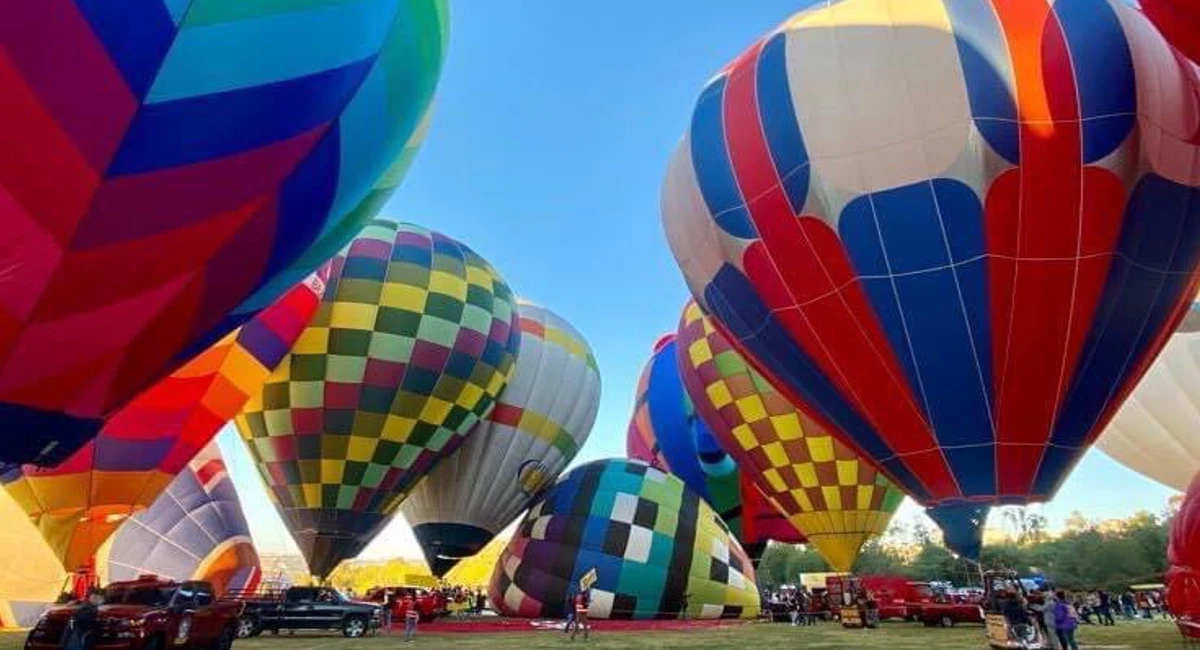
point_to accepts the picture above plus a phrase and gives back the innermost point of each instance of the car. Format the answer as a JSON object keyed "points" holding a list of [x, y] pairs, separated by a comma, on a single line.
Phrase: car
{"points": [[951, 611], [429, 604], [149, 613], [306, 608]]}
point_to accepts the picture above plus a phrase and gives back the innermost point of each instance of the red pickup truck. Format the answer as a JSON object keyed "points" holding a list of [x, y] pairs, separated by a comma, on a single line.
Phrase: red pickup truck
{"points": [[149, 613]]}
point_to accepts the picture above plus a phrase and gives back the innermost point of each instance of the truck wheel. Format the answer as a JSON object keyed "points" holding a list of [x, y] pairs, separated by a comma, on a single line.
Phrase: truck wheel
{"points": [[947, 620], [228, 635], [354, 627], [247, 626]]}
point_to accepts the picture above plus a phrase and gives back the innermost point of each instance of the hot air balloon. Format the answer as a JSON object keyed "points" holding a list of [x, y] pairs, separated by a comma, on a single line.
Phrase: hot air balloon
{"points": [[538, 425], [194, 531], [415, 338], [666, 432], [31, 577], [956, 237], [1179, 21], [1183, 554], [1155, 432], [649, 540], [79, 504], [172, 167], [838, 500]]}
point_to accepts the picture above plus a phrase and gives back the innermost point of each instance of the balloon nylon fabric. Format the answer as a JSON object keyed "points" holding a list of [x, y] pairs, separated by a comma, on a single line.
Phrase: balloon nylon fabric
{"points": [[956, 239], [1183, 554], [414, 340], [195, 530], [653, 544], [80, 503], [540, 421], [1155, 431], [838, 500], [173, 166]]}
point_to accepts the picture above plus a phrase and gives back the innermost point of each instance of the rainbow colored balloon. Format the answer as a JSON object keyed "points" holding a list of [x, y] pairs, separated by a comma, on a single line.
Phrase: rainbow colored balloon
{"points": [[954, 233], [170, 168], [77, 505]]}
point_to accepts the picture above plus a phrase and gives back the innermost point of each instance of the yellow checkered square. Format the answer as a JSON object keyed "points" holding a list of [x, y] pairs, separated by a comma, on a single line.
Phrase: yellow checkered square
{"points": [[479, 277], [745, 437], [718, 394], [752, 408], [353, 316], [435, 409], [772, 476], [806, 474], [361, 449], [469, 396], [775, 454], [403, 296], [820, 448], [447, 284], [847, 471], [787, 426], [699, 352], [314, 340], [397, 429]]}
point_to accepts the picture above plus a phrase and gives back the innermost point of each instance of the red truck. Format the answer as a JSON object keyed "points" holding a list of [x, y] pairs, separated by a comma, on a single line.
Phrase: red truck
{"points": [[948, 610], [149, 613], [894, 597], [429, 604]]}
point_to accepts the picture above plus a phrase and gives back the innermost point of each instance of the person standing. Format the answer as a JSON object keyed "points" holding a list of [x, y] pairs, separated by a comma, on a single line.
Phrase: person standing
{"points": [[582, 602], [569, 609], [1106, 603], [81, 629], [1045, 614], [411, 617], [385, 614], [1065, 621]]}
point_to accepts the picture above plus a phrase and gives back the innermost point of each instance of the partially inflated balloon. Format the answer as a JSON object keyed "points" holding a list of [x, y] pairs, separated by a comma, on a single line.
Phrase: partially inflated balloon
{"points": [[540, 421], [666, 432], [415, 338], [1179, 21], [956, 233], [834, 497], [31, 576], [170, 168], [78, 504], [194, 531], [652, 543], [1183, 554], [1155, 432]]}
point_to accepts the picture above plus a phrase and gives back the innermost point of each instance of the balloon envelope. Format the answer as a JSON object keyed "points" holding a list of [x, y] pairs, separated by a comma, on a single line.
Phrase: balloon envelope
{"points": [[652, 543], [195, 531], [413, 341], [957, 236], [838, 500], [31, 576], [538, 425], [78, 504], [1179, 21], [172, 167], [666, 432], [1156, 431], [1183, 554]]}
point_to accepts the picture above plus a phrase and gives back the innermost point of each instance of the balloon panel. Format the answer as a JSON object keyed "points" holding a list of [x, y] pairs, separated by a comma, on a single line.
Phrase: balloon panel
{"points": [[834, 497], [649, 539], [78, 504], [1155, 433], [965, 286], [195, 530], [1183, 554], [31, 576], [1179, 21], [176, 163], [415, 338], [538, 425]]}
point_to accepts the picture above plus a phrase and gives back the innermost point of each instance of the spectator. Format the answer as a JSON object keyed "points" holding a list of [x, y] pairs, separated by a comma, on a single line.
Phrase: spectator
{"points": [[582, 603], [1105, 613], [81, 629], [1066, 619], [411, 617]]}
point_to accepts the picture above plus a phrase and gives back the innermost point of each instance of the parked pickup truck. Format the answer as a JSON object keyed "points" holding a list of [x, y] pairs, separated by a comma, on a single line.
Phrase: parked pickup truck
{"points": [[948, 611], [306, 608], [149, 613]]}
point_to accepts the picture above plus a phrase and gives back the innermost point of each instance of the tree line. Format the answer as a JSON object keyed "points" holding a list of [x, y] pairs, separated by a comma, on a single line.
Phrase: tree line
{"points": [[1110, 556]]}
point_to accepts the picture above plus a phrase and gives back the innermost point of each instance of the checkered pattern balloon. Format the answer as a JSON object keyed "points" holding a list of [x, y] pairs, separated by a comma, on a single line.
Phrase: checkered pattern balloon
{"points": [[835, 498], [415, 338], [955, 233], [542, 418], [78, 504], [650, 540], [171, 167]]}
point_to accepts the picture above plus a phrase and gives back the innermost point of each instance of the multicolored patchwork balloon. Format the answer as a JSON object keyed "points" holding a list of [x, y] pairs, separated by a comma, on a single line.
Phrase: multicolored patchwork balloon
{"points": [[540, 421], [954, 233], [414, 340], [78, 504], [170, 168], [838, 500], [194, 531], [1155, 432], [652, 543], [666, 432]]}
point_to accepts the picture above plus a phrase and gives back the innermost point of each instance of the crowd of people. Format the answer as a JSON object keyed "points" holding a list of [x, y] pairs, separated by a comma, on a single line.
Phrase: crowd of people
{"points": [[1058, 614], [803, 607]]}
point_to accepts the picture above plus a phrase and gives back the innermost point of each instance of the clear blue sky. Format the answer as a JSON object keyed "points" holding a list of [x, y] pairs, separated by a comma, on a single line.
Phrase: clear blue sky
{"points": [[554, 121]]}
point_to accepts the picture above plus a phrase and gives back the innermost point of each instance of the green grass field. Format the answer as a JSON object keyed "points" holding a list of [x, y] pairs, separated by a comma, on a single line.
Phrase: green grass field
{"points": [[752, 636]]}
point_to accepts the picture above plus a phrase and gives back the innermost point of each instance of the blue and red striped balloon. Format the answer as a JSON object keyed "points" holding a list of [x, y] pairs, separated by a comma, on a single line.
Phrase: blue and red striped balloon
{"points": [[955, 231]]}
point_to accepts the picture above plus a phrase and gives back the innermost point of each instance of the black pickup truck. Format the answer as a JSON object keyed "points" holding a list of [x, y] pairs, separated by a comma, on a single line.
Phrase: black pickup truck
{"points": [[306, 608]]}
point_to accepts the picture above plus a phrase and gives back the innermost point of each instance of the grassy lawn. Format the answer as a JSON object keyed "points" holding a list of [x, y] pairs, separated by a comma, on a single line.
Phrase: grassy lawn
{"points": [[893, 636]]}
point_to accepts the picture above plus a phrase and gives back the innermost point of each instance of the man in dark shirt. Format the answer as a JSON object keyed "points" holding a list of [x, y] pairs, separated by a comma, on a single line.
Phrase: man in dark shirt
{"points": [[81, 630]]}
